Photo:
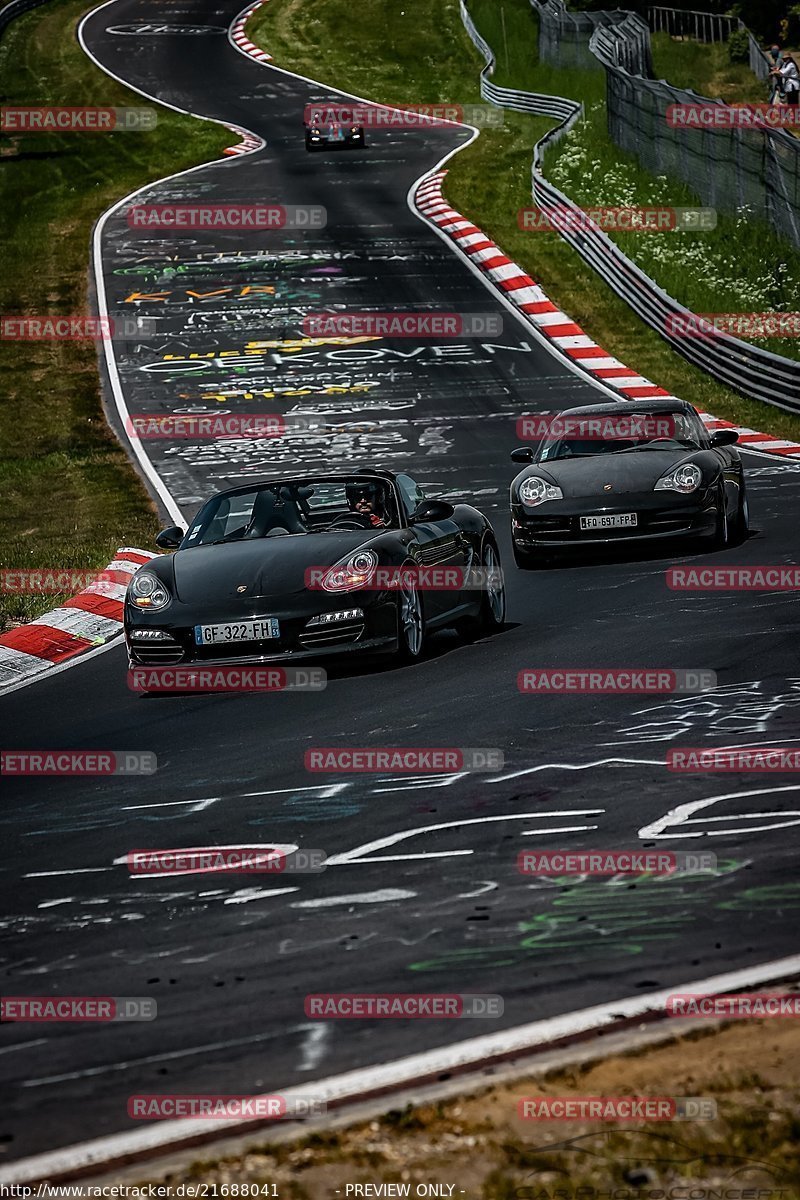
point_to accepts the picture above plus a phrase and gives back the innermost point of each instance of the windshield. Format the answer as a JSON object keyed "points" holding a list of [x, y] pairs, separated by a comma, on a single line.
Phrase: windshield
{"points": [[286, 508], [583, 436]]}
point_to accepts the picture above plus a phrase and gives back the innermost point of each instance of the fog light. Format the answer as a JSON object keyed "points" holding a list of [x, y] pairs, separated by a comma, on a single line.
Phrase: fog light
{"points": [[150, 635], [346, 614]]}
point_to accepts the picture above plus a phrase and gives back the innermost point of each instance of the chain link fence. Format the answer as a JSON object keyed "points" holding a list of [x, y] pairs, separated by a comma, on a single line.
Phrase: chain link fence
{"points": [[756, 168]]}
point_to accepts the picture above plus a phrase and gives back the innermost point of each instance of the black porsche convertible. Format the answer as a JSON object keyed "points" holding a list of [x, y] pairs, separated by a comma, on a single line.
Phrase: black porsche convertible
{"points": [[630, 471], [313, 566]]}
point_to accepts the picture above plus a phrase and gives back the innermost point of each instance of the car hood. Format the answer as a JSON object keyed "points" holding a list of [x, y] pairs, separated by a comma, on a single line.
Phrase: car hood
{"points": [[272, 566], [635, 471]]}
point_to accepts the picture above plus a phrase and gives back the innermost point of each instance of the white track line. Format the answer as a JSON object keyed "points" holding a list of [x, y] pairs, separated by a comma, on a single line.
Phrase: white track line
{"points": [[354, 1086], [134, 441]]}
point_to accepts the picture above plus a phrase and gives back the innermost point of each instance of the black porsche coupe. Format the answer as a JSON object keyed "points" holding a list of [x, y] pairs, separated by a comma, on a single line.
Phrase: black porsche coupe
{"points": [[314, 566], [630, 471]]}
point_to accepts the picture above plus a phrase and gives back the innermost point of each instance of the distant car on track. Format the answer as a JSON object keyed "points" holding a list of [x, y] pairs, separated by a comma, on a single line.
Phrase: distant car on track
{"points": [[313, 566], [587, 484], [334, 135]]}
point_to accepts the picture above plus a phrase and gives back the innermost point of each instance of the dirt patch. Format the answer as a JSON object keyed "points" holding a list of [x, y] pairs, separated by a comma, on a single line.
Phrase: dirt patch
{"points": [[480, 1147]]}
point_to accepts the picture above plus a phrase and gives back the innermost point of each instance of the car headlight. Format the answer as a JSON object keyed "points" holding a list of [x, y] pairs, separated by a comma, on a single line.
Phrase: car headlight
{"points": [[148, 592], [355, 130], [686, 478], [535, 491], [352, 572]]}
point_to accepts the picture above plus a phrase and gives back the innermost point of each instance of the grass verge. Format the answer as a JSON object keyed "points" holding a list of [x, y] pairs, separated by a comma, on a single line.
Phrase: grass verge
{"points": [[478, 1144], [70, 495], [417, 53]]}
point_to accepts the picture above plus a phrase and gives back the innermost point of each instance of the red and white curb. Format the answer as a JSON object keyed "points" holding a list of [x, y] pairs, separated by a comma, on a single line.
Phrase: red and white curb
{"points": [[87, 620], [240, 39], [248, 145], [559, 329]]}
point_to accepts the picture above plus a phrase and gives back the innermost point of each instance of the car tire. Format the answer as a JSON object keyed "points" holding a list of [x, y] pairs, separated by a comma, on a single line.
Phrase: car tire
{"points": [[410, 621], [742, 525], [492, 614], [722, 532]]}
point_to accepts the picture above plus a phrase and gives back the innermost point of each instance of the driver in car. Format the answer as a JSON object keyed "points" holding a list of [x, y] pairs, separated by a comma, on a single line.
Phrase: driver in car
{"points": [[366, 500]]}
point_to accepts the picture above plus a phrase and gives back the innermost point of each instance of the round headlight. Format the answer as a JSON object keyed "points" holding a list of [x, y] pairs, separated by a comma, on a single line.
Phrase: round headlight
{"points": [[688, 477], [533, 491], [147, 591], [363, 562]]}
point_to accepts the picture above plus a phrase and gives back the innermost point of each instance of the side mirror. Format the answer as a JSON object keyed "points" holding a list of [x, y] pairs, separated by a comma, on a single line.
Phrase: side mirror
{"points": [[170, 539], [432, 510], [522, 454], [724, 437]]}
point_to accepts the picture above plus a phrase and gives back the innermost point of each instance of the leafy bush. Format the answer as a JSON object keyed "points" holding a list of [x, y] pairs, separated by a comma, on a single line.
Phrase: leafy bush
{"points": [[739, 46]]}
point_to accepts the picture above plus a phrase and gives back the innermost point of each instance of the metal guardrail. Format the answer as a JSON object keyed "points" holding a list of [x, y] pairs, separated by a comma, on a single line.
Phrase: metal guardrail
{"points": [[535, 103], [739, 365], [16, 9]]}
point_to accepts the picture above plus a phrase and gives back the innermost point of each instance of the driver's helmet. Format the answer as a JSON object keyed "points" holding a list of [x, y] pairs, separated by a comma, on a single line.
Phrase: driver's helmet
{"points": [[368, 490]]}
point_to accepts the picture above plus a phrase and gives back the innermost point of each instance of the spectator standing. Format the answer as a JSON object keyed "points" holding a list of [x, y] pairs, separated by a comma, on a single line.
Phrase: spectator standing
{"points": [[790, 79]]}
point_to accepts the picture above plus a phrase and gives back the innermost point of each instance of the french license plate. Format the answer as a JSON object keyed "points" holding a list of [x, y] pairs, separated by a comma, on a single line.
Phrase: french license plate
{"points": [[237, 631], [613, 521]]}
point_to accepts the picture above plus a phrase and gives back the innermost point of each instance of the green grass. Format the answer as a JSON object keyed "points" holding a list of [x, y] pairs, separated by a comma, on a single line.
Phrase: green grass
{"points": [[706, 69], [70, 496], [425, 55]]}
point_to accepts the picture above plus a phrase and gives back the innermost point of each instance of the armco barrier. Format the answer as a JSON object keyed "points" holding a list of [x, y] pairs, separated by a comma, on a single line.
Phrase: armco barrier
{"points": [[739, 365]]}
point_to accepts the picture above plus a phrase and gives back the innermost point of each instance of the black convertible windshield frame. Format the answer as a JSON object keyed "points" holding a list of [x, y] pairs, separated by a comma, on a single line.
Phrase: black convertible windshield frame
{"points": [[286, 507]]}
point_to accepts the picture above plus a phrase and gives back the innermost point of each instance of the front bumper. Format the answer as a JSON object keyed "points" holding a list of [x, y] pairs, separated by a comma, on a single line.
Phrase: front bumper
{"points": [[325, 143], [374, 631], [660, 516]]}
